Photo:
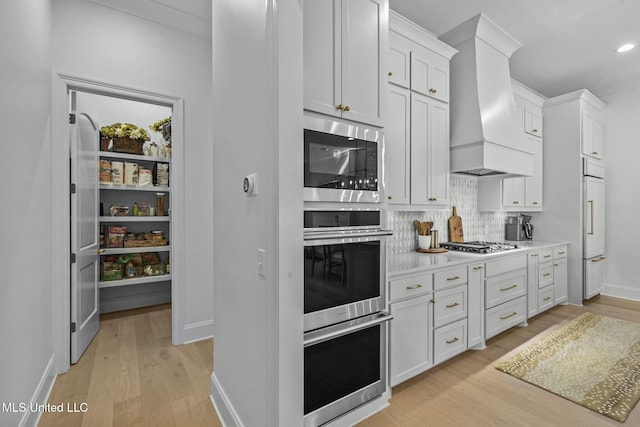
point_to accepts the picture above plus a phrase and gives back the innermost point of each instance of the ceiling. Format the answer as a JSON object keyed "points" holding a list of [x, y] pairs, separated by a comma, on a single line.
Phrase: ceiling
{"points": [[567, 44]]}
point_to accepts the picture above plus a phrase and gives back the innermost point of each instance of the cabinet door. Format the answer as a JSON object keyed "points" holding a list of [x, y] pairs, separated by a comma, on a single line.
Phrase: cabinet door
{"points": [[513, 192], [598, 139], [592, 132], [411, 338], [593, 276], [560, 281], [430, 74], [397, 146], [533, 184], [361, 67], [593, 217], [532, 285], [398, 60], [533, 120], [520, 110], [322, 61], [429, 151], [475, 294]]}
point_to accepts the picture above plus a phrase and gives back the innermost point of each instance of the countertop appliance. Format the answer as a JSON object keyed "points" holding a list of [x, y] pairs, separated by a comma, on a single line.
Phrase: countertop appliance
{"points": [[346, 329], [519, 228], [478, 247], [342, 162]]}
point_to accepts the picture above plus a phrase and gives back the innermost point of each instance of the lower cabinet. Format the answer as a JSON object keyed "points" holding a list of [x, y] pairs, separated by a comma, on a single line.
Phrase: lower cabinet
{"points": [[411, 338], [504, 316], [475, 309], [449, 341], [505, 294], [560, 275]]}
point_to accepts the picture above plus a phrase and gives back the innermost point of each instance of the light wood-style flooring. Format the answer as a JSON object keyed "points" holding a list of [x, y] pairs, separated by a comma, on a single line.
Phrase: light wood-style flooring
{"points": [[131, 376], [468, 391]]}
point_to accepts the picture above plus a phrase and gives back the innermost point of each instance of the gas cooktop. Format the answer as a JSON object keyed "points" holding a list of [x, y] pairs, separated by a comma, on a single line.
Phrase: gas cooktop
{"points": [[478, 247]]}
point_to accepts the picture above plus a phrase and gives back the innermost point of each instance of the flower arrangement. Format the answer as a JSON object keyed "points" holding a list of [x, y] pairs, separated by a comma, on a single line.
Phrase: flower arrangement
{"points": [[159, 125], [124, 130]]}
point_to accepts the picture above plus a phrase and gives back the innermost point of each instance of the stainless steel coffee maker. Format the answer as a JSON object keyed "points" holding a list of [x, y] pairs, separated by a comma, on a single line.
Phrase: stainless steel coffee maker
{"points": [[519, 228]]}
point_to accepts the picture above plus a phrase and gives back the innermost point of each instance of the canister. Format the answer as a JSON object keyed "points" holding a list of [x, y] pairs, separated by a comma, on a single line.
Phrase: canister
{"points": [[105, 171], [130, 173], [160, 204]]}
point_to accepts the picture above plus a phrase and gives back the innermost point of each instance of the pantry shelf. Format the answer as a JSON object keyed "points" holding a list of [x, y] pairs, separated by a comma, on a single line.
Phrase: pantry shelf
{"points": [[137, 157], [119, 219], [118, 251], [134, 188], [135, 281]]}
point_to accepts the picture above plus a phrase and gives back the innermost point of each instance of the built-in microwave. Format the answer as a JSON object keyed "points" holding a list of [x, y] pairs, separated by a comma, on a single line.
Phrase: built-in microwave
{"points": [[342, 162]]}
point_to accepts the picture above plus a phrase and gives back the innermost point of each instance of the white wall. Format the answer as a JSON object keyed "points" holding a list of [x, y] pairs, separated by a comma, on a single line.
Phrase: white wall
{"points": [[622, 154], [97, 43], [25, 245], [257, 116]]}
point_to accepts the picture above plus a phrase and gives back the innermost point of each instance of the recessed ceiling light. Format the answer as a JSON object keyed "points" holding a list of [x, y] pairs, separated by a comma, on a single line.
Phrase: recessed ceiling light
{"points": [[625, 47]]}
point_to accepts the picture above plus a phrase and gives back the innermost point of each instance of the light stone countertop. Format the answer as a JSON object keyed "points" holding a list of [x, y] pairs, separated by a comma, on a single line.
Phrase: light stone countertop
{"points": [[416, 262]]}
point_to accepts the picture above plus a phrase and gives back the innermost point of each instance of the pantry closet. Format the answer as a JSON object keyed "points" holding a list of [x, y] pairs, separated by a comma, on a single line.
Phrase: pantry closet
{"points": [[121, 195]]}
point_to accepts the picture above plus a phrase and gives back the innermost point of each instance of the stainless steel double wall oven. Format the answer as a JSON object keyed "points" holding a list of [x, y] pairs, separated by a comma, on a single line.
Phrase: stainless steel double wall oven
{"points": [[345, 323]]}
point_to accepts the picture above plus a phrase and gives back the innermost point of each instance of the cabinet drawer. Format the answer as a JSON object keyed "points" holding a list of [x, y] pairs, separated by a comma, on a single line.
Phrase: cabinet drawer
{"points": [[545, 256], [449, 305], [449, 341], [505, 315], [559, 253], [545, 298], [448, 278], [410, 286], [505, 287], [505, 265], [545, 274]]}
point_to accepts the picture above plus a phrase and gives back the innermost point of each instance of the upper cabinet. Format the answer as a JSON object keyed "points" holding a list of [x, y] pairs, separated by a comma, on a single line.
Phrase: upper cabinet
{"points": [[343, 72], [592, 131], [417, 130]]}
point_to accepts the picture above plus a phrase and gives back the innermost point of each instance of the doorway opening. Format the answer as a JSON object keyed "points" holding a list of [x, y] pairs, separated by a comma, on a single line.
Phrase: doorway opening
{"points": [[142, 264]]}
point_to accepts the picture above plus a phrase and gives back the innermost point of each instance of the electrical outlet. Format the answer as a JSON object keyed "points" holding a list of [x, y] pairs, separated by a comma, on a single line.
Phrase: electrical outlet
{"points": [[262, 263]]}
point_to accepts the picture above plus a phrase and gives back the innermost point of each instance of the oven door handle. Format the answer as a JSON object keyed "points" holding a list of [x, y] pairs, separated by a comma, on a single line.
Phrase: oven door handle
{"points": [[325, 235], [335, 331]]}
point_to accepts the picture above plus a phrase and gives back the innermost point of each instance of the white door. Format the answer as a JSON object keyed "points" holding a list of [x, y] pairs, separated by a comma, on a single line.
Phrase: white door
{"points": [[397, 146], [593, 276], [593, 217], [85, 308]]}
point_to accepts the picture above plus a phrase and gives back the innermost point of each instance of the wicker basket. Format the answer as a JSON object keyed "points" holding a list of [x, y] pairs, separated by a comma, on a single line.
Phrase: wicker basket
{"points": [[127, 145]]}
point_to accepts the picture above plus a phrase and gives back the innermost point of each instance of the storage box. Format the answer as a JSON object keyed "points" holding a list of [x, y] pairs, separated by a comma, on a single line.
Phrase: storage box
{"points": [[127, 145]]}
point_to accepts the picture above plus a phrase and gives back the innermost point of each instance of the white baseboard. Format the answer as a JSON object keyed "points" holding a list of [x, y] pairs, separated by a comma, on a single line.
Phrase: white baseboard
{"points": [[621, 291], [197, 331], [41, 395], [227, 414]]}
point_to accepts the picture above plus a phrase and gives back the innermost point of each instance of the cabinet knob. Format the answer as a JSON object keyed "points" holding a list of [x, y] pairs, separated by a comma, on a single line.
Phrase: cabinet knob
{"points": [[432, 90], [389, 197], [594, 152], [390, 74], [432, 199], [535, 203], [534, 130], [339, 107], [515, 202], [433, 301], [347, 108]]}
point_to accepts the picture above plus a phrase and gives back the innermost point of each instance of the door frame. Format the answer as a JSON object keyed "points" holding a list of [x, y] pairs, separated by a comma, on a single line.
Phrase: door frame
{"points": [[61, 212]]}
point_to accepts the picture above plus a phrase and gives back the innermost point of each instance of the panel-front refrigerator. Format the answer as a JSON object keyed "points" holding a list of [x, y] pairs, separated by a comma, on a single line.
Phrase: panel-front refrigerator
{"points": [[593, 251]]}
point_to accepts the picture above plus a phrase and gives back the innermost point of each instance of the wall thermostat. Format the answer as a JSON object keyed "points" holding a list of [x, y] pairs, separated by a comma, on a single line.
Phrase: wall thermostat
{"points": [[250, 184]]}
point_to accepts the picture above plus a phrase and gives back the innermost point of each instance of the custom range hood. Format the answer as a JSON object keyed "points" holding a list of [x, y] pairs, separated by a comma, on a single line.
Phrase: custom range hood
{"points": [[487, 138]]}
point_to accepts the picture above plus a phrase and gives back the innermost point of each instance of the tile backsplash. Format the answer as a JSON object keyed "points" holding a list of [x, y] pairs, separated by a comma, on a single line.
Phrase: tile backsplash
{"points": [[464, 196]]}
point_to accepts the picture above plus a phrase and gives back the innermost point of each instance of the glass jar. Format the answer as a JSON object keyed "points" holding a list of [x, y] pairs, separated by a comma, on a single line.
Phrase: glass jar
{"points": [[160, 204]]}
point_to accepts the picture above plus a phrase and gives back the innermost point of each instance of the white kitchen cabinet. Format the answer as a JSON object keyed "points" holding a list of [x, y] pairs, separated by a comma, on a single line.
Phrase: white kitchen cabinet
{"points": [[449, 341], [475, 311], [513, 192], [533, 184], [592, 131], [429, 151], [594, 276], [560, 280], [532, 284], [398, 146], [411, 338], [343, 42], [399, 60], [420, 62], [430, 74], [505, 294]]}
